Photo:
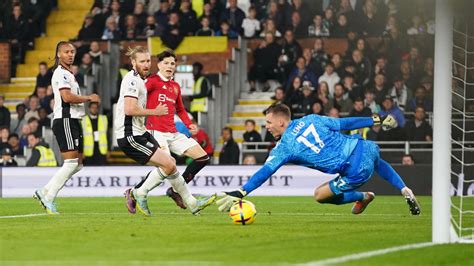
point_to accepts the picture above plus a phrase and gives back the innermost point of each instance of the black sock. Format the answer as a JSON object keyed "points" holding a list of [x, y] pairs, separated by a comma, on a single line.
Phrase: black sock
{"points": [[195, 167]]}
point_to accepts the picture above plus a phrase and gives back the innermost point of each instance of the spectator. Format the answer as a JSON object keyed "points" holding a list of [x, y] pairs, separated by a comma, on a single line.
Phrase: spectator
{"points": [[369, 101], [331, 78], [86, 65], [364, 48], [291, 50], [407, 159], [359, 110], [18, 123], [96, 144], [328, 20], [14, 142], [230, 152], [303, 11], [130, 30], [17, 31], [250, 134], [249, 159], [234, 15], [43, 79], [417, 27], [95, 52], [318, 29], [418, 129], [341, 28], [140, 16], [343, 104], [151, 28], [225, 30], [420, 100], [162, 15], [323, 96], [188, 19], [25, 131], [275, 15], [279, 96], [352, 88], [89, 30], [202, 138], [371, 19], [6, 159], [44, 120], [388, 107], [307, 56], [41, 154], [374, 134], [33, 122], [334, 112], [408, 78], [381, 66], [213, 18], [399, 93], [298, 27], [317, 108], [336, 59], [43, 98], [363, 68], [427, 83], [78, 76], [111, 31], [205, 30], [303, 72], [4, 134], [428, 69], [265, 61], [33, 106], [250, 24], [379, 88], [5, 116], [116, 14], [319, 57], [415, 63], [269, 27], [202, 89], [294, 94], [306, 102]]}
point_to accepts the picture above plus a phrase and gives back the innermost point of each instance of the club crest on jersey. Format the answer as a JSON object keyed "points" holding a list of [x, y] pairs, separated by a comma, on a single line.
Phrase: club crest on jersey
{"points": [[149, 144], [175, 90], [133, 83], [65, 77]]}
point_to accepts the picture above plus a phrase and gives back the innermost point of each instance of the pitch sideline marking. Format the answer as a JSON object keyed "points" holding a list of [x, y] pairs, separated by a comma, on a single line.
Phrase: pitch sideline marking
{"points": [[23, 215], [363, 255]]}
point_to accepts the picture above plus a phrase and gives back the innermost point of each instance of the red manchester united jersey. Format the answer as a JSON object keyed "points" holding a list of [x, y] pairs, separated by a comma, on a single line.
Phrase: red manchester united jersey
{"points": [[167, 92]]}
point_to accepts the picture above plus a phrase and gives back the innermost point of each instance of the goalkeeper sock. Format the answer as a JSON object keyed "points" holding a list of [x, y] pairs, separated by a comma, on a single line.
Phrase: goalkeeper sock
{"points": [[346, 197], [386, 171], [179, 185], [60, 178], [152, 180], [194, 168]]}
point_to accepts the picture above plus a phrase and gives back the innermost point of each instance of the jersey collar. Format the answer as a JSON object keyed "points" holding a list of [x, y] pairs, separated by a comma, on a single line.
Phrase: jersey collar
{"points": [[65, 68], [162, 77]]}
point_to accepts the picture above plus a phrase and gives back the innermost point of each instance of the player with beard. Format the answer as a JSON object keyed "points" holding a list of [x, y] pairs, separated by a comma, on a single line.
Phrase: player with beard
{"points": [[137, 143]]}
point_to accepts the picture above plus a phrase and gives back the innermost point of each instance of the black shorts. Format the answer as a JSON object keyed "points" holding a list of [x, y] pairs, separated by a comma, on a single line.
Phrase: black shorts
{"points": [[68, 132], [139, 148]]}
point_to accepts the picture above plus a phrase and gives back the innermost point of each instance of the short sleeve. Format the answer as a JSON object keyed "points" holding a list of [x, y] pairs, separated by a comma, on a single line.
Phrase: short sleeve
{"points": [[63, 81], [131, 88]]}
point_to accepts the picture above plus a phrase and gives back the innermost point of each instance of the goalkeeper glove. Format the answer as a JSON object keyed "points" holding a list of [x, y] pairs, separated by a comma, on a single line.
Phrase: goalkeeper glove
{"points": [[387, 122], [229, 199]]}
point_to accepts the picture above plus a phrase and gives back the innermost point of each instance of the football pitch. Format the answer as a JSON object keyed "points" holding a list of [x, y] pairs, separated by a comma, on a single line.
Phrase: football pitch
{"points": [[287, 230]]}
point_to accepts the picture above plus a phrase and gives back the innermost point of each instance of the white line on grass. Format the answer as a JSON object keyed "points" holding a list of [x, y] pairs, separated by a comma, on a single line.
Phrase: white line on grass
{"points": [[23, 215], [368, 254]]}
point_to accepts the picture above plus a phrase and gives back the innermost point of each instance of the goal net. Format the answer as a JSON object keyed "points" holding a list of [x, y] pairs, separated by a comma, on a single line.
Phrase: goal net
{"points": [[462, 129]]}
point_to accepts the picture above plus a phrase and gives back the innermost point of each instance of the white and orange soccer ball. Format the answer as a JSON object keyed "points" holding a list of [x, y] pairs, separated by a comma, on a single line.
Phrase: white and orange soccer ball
{"points": [[243, 212]]}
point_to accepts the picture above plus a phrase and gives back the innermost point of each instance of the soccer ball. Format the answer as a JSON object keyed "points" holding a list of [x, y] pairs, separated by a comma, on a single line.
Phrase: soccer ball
{"points": [[243, 212]]}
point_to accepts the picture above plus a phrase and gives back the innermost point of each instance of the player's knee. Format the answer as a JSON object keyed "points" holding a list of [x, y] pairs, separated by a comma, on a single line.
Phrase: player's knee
{"points": [[319, 196], [169, 166]]}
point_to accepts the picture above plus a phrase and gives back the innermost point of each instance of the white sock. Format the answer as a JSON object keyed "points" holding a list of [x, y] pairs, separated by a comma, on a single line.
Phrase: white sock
{"points": [[46, 188], [179, 185], [153, 180], [60, 178]]}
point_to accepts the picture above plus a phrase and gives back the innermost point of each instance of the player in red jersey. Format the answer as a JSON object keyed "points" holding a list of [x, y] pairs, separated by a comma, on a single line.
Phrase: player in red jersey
{"points": [[163, 89]]}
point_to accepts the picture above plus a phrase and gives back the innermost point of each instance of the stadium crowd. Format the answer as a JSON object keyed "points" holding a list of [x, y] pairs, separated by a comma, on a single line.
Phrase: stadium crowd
{"points": [[387, 67]]}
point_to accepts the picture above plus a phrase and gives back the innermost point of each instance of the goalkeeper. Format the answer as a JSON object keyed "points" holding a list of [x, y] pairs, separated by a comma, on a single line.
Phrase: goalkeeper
{"points": [[315, 141]]}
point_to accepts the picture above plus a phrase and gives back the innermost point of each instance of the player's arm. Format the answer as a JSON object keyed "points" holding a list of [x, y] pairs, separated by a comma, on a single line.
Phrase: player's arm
{"points": [[133, 109], [272, 164], [350, 123], [69, 97], [183, 114]]}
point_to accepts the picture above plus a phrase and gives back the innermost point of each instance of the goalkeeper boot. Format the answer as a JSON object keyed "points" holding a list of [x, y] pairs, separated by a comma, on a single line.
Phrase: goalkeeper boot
{"points": [[360, 205], [203, 203], [130, 201], [49, 206], [413, 204], [176, 197], [142, 203]]}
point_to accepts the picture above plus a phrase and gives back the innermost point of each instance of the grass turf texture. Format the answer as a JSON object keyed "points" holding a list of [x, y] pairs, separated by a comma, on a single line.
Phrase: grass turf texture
{"points": [[287, 230]]}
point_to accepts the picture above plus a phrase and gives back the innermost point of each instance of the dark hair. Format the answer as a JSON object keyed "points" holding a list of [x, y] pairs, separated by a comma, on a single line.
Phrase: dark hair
{"points": [[228, 129], [43, 63], [32, 119], [34, 135], [279, 109], [408, 155], [13, 135], [166, 53], [198, 65], [58, 46], [358, 99], [250, 121]]}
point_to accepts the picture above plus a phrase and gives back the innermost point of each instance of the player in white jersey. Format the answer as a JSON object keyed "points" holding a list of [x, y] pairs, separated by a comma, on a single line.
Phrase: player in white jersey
{"points": [[68, 111], [139, 145]]}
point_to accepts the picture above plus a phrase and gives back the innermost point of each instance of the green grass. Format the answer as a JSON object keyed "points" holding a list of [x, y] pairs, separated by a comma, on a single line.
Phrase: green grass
{"points": [[99, 231]]}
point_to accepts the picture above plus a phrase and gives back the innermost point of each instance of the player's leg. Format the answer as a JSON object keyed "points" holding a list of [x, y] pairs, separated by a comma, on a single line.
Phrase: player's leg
{"points": [[386, 171], [180, 145], [337, 192]]}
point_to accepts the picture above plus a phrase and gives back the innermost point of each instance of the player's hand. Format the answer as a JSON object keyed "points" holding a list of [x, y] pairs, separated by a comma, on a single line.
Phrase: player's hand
{"points": [[387, 122], [94, 98], [161, 109], [229, 198], [193, 129]]}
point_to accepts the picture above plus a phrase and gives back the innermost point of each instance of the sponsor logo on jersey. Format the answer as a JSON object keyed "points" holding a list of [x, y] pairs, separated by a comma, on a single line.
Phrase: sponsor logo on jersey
{"points": [[149, 144]]}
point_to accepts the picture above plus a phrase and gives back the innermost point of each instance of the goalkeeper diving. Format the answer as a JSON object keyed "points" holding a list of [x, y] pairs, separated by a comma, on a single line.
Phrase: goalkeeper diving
{"points": [[316, 142]]}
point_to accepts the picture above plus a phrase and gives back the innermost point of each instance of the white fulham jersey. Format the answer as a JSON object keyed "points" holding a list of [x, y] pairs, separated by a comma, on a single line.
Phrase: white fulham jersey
{"points": [[132, 86], [63, 79]]}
